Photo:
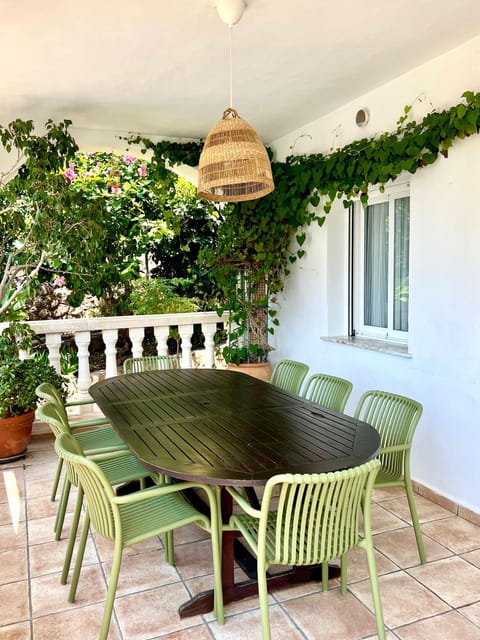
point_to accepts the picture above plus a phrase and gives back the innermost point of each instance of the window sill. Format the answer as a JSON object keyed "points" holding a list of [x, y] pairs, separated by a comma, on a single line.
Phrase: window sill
{"points": [[372, 344]]}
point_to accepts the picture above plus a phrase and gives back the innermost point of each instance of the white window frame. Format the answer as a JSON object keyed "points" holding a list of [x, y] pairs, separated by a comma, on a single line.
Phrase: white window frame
{"points": [[390, 194]]}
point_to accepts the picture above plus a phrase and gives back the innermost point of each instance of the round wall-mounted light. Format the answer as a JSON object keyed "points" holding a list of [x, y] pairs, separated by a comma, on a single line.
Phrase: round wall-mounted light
{"points": [[361, 117]]}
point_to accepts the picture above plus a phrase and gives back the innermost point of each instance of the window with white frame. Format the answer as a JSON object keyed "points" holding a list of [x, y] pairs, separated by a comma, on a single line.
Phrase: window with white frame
{"points": [[381, 265]]}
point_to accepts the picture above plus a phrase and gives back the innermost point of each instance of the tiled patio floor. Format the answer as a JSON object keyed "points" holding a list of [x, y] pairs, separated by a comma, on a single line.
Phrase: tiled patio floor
{"points": [[440, 600]]}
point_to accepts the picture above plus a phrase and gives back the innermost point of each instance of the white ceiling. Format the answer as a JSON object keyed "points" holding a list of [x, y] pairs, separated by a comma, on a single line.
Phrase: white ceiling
{"points": [[161, 66]]}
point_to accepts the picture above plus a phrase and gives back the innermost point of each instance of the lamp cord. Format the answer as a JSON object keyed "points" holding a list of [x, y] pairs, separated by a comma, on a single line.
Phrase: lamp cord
{"points": [[230, 66]]}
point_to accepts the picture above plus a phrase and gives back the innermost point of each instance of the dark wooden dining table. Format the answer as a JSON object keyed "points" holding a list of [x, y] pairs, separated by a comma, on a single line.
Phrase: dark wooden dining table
{"points": [[225, 428]]}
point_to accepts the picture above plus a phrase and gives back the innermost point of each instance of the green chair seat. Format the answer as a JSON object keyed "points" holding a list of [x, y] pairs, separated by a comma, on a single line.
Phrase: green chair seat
{"points": [[316, 519], [328, 391], [132, 518], [289, 375], [395, 417]]}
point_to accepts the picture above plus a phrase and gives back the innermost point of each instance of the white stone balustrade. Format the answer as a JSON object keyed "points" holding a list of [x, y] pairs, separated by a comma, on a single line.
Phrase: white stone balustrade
{"points": [[81, 329]]}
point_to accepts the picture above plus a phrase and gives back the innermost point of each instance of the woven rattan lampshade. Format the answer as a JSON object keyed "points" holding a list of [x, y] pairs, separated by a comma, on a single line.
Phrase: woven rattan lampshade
{"points": [[234, 164]]}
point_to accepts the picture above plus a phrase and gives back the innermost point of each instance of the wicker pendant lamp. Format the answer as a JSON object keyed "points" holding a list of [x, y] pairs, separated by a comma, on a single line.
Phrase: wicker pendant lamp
{"points": [[234, 164]]}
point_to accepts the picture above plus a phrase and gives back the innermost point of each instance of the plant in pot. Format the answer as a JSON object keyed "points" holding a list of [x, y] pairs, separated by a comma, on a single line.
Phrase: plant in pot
{"points": [[19, 379]]}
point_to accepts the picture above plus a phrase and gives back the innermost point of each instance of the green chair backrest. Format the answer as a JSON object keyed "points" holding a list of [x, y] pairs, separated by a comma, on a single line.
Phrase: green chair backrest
{"points": [[329, 391], [97, 489], [55, 416], [318, 515], [289, 375], [395, 417], [151, 363]]}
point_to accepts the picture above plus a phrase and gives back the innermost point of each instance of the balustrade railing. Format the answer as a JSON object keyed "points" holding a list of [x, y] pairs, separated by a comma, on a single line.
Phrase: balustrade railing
{"points": [[81, 329]]}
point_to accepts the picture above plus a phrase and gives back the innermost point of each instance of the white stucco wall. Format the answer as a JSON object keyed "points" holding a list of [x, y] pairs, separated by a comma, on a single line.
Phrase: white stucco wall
{"points": [[444, 369]]}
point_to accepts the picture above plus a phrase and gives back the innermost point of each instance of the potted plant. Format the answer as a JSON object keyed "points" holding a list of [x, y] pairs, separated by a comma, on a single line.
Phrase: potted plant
{"points": [[246, 296], [19, 379]]}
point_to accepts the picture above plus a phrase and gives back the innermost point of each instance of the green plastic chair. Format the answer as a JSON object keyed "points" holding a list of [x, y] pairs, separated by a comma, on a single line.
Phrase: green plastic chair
{"points": [[126, 520], [329, 391], [395, 417], [98, 440], [316, 520], [119, 468], [289, 375], [151, 363], [104, 439]]}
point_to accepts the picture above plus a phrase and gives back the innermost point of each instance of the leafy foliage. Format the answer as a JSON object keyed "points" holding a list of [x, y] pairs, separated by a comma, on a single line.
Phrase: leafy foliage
{"points": [[268, 234], [149, 296], [20, 378]]}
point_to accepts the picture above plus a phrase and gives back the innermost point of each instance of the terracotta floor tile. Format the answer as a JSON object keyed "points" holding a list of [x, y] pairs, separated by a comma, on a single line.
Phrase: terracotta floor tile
{"points": [[12, 537], [401, 547], [383, 520], [14, 602], [49, 596], [49, 556], [471, 612], [20, 631], [145, 614], [143, 571], [346, 616], [194, 560], [387, 493], [13, 565], [41, 507], [247, 626], [404, 600], [453, 579], [473, 557], [76, 624], [426, 510], [455, 533], [6, 515], [448, 626], [195, 633]]}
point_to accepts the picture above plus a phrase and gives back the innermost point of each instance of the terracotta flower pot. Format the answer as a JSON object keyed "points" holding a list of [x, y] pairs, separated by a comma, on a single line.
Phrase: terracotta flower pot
{"points": [[15, 436], [261, 370]]}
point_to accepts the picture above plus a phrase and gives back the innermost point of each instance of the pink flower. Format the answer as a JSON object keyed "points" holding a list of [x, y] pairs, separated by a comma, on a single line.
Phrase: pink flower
{"points": [[128, 159], [59, 281], [115, 190], [71, 165], [70, 174], [142, 171]]}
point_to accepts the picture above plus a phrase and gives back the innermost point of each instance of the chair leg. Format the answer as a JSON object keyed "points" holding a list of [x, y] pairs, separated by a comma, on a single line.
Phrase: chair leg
{"points": [[58, 473], [343, 572], [414, 516], [62, 508], [112, 588], [73, 535], [324, 576], [169, 547], [263, 600], [377, 603], [80, 553], [216, 540]]}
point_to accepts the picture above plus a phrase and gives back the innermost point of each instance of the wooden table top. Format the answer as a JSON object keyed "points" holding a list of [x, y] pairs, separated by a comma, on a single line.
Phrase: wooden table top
{"points": [[226, 428]]}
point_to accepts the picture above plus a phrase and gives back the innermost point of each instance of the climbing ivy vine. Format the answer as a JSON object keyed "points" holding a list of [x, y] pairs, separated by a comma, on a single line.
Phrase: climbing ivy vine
{"points": [[269, 233]]}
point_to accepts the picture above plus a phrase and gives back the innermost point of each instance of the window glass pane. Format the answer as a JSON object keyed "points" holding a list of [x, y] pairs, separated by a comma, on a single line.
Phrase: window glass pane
{"points": [[376, 265], [402, 248]]}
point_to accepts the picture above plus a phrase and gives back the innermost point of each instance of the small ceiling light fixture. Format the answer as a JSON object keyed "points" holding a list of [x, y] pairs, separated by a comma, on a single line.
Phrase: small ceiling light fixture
{"points": [[234, 164]]}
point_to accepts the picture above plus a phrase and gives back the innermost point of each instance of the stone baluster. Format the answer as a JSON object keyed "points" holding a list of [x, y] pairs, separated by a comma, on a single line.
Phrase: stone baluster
{"points": [[53, 342], [82, 340], [209, 331], [161, 336], [110, 339], [186, 331], [136, 336]]}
